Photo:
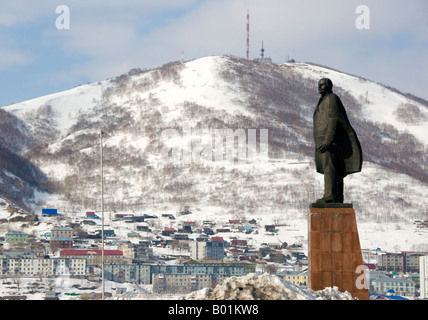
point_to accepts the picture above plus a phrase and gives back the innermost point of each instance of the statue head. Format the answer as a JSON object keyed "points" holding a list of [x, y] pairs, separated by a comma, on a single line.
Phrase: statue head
{"points": [[324, 86]]}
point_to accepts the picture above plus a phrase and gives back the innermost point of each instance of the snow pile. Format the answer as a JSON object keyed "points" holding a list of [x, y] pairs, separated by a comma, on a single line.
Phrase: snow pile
{"points": [[264, 287]]}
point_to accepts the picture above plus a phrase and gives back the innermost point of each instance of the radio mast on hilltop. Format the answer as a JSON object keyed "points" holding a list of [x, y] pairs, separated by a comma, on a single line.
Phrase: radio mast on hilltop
{"points": [[248, 34], [262, 54]]}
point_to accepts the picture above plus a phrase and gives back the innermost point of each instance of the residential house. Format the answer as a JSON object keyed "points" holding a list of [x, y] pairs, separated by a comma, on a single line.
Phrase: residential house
{"points": [[143, 228], [298, 278], [270, 228], [62, 231], [133, 235], [16, 236], [238, 242], [91, 215], [168, 231], [89, 222], [107, 233]]}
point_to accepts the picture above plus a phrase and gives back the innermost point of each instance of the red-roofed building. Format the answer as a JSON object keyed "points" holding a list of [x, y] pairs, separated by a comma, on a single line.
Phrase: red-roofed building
{"points": [[168, 231], [237, 242], [94, 257], [91, 215]]}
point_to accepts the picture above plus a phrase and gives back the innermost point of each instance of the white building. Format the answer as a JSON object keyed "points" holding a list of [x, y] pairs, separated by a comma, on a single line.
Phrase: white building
{"points": [[207, 250], [423, 273], [43, 267], [401, 287]]}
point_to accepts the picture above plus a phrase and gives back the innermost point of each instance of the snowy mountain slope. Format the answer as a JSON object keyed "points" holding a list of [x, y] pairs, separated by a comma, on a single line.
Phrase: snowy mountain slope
{"points": [[212, 93], [65, 107]]}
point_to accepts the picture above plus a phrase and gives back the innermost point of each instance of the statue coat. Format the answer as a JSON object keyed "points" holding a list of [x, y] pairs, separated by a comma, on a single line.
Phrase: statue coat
{"points": [[332, 128]]}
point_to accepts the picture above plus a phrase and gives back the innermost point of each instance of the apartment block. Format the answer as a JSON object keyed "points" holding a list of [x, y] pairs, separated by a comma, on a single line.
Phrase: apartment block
{"points": [[423, 274]]}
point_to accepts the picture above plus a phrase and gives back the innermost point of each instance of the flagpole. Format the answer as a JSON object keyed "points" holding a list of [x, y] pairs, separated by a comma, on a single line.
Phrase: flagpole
{"points": [[102, 217]]}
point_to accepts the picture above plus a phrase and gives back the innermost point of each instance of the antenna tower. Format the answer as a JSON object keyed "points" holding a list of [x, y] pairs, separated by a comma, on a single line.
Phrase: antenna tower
{"points": [[262, 52], [248, 34]]}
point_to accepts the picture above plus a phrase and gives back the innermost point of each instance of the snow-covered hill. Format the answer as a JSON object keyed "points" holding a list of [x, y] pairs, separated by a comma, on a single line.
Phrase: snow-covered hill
{"points": [[147, 113]]}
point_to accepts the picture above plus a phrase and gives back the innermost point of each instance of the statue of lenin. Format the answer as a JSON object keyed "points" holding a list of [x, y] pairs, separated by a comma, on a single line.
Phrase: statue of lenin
{"points": [[337, 149]]}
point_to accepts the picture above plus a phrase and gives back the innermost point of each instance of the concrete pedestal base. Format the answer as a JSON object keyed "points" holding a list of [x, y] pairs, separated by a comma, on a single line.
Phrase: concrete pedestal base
{"points": [[334, 250]]}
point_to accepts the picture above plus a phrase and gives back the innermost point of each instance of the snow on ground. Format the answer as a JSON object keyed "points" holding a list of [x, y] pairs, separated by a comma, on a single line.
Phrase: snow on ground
{"points": [[66, 104], [264, 287], [249, 287], [201, 84], [67, 288]]}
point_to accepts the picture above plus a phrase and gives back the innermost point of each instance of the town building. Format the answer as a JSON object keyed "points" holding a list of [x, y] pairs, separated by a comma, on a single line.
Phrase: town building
{"points": [[128, 272], [405, 261], [91, 215], [54, 266], [181, 283], [176, 278], [17, 255], [423, 276], [203, 249], [141, 252], [384, 285], [27, 264], [107, 233], [16, 237], [173, 279], [61, 242], [62, 231], [94, 257], [298, 278]]}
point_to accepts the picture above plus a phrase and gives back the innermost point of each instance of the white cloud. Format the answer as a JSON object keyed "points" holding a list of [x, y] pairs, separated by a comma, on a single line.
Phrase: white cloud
{"points": [[115, 36], [319, 31]]}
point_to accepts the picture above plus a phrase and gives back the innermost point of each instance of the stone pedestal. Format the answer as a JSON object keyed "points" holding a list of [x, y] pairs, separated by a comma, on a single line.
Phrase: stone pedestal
{"points": [[334, 250]]}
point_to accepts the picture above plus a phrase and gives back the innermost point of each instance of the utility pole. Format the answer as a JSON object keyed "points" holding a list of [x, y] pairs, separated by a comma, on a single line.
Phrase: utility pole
{"points": [[102, 216]]}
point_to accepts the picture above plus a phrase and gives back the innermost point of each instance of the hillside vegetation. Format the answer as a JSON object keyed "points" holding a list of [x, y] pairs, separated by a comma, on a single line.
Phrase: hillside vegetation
{"points": [[135, 109]]}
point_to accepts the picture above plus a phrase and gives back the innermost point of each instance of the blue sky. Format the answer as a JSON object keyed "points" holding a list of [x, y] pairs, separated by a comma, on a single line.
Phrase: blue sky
{"points": [[108, 38]]}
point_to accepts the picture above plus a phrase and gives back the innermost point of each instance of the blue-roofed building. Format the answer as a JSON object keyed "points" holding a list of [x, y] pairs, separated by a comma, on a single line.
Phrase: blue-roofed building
{"points": [[387, 286], [390, 295]]}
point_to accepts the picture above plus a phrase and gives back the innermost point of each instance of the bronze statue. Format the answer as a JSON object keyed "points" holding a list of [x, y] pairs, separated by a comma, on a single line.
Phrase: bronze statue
{"points": [[337, 149]]}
